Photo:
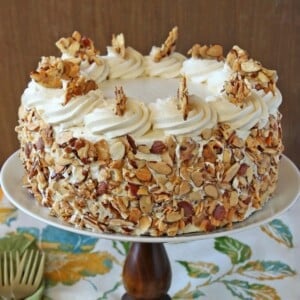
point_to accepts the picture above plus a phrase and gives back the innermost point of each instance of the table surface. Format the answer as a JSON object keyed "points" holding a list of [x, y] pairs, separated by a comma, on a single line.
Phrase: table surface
{"points": [[261, 261]]}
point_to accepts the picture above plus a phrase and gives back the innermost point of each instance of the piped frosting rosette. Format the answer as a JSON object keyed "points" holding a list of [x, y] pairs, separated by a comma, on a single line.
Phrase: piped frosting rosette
{"points": [[129, 66], [104, 122], [167, 117], [272, 101], [242, 119], [95, 71], [50, 104], [164, 62], [82, 50], [168, 67], [206, 67], [200, 70]]}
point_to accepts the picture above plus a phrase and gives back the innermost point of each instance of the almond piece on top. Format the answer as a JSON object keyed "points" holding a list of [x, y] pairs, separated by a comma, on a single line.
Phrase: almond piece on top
{"points": [[121, 100], [118, 43], [79, 86], [208, 52], [168, 46], [183, 98]]}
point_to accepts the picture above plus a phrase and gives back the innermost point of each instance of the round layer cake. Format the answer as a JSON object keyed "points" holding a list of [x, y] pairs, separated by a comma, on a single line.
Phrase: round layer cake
{"points": [[155, 145]]}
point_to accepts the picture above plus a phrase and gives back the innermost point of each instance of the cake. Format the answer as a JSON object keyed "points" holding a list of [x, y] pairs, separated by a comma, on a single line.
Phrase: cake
{"points": [[157, 144]]}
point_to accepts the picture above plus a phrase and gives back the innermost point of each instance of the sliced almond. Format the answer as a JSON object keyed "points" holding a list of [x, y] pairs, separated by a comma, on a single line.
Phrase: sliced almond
{"points": [[211, 191], [143, 174], [134, 215], [231, 172], [102, 150], [144, 224], [197, 178], [117, 151], [250, 66], [146, 204], [184, 188], [174, 216], [234, 198], [160, 167]]}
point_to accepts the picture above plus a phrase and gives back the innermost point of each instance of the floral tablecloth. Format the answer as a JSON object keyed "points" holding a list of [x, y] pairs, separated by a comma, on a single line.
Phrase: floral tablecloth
{"points": [[260, 263]]}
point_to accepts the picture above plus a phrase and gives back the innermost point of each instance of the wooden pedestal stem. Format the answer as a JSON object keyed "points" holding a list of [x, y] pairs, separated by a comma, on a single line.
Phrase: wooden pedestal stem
{"points": [[147, 272]]}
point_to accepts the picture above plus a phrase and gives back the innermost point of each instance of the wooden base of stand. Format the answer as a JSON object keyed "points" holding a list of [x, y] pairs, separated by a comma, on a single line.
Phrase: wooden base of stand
{"points": [[147, 272], [127, 297]]}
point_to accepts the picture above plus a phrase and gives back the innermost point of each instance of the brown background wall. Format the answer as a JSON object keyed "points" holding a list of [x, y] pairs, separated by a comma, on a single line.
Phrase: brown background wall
{"points": [[268, 29]]}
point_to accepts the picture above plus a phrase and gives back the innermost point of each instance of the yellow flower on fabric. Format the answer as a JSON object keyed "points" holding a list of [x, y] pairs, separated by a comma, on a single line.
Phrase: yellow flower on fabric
{"points": [[69, 268]]}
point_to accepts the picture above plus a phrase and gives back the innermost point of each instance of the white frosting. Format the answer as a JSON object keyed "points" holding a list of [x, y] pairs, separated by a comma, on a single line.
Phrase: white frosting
{"points": [[50, 104], [98, 72], [93, 71], [169, 119], [242, 119], [152, 111], [272, 101], [129, 67], [200, 70], [167, 67], [104, 122]]}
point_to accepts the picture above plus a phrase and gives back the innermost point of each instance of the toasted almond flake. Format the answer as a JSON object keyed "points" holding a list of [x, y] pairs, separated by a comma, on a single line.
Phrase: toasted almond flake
{"points": [[234, 198], [117, 151], [184, 188], [197, 178], [174, 216], [79, 86], [143, 174], [144, 224], [80, 47], [49, 72], [102, 150], [172, 230], [231, 172], [226, 156], [211, 191], [160, 167], [238, 89], [168, 46], [146, 204], [121, 100], [208, 52], [118, 43], [183, 98], [250, 66], [134, 215]]}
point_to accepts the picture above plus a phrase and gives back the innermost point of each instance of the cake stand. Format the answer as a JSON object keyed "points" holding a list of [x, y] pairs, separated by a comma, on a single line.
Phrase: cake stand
{"points": [[147, 271]]}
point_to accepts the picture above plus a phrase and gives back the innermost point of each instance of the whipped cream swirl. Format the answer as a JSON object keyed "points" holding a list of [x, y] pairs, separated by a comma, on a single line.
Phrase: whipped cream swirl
{"points": [[129, 67], [104, 122], [167, 67], [199, 69], [49, 103], [207, 74], [242, 119], [94, 71], [167, 117], [272, 101]]}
